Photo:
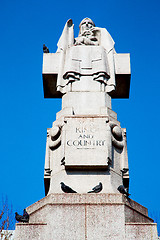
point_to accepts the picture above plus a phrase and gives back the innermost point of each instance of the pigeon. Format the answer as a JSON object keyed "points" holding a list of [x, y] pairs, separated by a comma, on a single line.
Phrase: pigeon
{"points": [[97, 188], [66, 188], [45, 49], [123, 190], [24, 218], [25, 214]]}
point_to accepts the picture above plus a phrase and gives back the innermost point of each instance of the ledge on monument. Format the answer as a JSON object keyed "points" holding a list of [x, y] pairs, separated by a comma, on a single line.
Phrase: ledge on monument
{"points": [[72, 198], [122, 86], [51, 68], [136, 215], [140, 231], [134, 212], [28, 231], [26, 224], [87, 167], [134, 223]]}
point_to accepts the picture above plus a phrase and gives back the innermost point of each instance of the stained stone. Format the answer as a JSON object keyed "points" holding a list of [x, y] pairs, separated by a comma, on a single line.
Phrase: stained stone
{"points": [[86, 145]]}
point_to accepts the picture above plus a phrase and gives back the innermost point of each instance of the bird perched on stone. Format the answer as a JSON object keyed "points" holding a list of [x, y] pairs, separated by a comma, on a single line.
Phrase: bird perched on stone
{"points": [[24, 218], [45, 49], [123, 190], [97, 188], [66, 188], [25, 214]]}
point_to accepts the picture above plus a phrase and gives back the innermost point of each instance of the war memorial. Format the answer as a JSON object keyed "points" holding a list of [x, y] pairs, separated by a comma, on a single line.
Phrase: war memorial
{"points": [[86, 173]]}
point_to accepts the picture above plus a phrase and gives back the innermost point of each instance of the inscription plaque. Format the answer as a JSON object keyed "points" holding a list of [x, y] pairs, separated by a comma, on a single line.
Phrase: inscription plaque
{"points": [[87, 142]]}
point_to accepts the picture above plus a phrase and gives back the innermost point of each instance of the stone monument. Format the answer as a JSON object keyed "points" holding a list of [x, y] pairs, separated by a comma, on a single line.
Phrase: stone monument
{"points": [[86, 149]]}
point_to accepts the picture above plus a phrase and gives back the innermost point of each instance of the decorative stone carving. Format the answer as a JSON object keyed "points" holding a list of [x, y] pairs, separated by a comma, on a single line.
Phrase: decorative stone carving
{"points": [[117, 137], [124, 162], [54, 137], [117, 133], [86, 63], [90, 54], [87, 34], [53, 142], [47, 171]]}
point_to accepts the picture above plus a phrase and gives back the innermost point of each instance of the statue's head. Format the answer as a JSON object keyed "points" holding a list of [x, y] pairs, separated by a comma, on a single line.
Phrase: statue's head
{"points": [[86, 24]]}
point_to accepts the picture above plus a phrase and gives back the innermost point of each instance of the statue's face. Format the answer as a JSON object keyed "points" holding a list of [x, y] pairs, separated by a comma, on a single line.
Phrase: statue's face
{"points": [[86, 25]]}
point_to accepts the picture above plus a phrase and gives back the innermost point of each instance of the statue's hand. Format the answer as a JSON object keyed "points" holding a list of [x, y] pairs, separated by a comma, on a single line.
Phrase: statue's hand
{"points": [[87, 41], [79, 41], [83, 40]]}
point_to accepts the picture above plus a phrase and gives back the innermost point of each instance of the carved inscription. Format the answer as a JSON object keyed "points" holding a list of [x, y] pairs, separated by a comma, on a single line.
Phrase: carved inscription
{"points": [[87, 143], [85, 137]]}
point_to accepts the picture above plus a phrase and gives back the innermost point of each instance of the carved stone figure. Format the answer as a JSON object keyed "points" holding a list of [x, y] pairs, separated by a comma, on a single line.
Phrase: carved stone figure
{"points": [[87, 34], [89, 56]]}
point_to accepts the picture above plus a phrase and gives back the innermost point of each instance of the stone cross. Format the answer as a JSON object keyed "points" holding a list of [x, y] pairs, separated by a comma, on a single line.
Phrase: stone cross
{"points": [[91, 54], [86, 72]]}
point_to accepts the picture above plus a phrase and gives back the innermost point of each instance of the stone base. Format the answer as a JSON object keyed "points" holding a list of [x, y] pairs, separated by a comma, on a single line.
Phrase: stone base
{"points": [[86, 217]]}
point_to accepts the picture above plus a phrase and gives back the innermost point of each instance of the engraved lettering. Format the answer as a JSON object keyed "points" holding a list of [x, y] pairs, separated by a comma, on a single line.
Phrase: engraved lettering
{"points": [[98, 143], [78, 130], [86, 143], [85, 130], [69, 143], [80, 136], [75, 142]]}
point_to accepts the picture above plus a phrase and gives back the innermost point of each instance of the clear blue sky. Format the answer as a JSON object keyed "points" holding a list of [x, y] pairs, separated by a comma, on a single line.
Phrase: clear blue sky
{"points": [[25, 114]]}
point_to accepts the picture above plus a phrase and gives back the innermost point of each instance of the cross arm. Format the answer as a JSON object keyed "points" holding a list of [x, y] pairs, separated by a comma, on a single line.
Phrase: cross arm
{"points": [[50, 70]]}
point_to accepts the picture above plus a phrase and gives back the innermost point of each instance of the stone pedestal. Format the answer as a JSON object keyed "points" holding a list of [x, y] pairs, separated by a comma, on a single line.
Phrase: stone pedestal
{"points": [[86, 217]]}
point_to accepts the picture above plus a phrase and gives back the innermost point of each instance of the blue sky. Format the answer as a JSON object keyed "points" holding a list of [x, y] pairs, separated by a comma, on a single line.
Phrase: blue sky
{"points": [[25, 114]]}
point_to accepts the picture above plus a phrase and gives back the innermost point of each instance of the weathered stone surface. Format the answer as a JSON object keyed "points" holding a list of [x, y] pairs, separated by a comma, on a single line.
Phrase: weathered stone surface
{"points": [[100, 224], [27, 231], [87, 143], [95, 102], [85, 160], [138, 231], [84, 217]]}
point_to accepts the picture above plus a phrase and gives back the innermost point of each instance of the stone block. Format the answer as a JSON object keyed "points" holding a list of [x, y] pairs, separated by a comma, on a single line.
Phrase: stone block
{"points": [[85, 217], [67, 111], [50, 73], [86, 103], [122, 63], [87, 143], [105, 222], [139, 231], [28, 231]]}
